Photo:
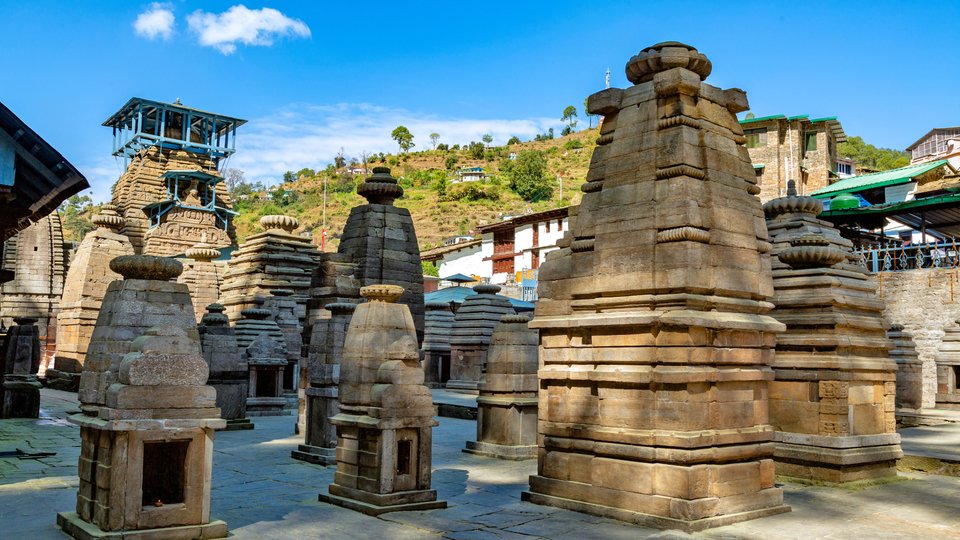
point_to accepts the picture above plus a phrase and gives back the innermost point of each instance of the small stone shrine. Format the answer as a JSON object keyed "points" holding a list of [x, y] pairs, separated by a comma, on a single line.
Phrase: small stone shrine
{"points": [[655, 343], [470, 337], [86, 284], [909, 368], [229, 373], [19, 362], [264, 349], [379, 238], [438, 323], [507, 404], [948, 369], [273, 259], [284, 309], [147, 441], [202, 276], [385, 423], [144, 298], [833, 398], [323, 392]]}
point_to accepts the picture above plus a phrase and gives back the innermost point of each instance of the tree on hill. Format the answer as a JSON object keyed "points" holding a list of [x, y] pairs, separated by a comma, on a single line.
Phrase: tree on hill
{"points": [[488, 138], [569, 116], [75, 216], [527, 175], [868, 155], [514, 140], [339, 161], [476, 149], [403, 137], [587, 112], [434, 137]]}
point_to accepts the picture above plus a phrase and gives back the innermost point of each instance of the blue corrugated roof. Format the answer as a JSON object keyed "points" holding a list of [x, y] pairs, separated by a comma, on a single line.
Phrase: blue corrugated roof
{"points": [[459, 294]]}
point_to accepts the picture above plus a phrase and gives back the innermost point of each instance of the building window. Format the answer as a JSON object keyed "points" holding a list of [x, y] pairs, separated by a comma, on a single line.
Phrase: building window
{"points": [[547, 226], [809, 142], [755, 137], [559, 225], [844, 168]]}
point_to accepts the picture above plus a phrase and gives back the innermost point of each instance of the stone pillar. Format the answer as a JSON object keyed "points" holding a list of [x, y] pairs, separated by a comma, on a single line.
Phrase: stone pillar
{"points": [[202, 276], [146, 452], [86, 285], [833, 400], [19, 362], [909, 369], [507, 404], [229, 372], [948, 369], [323, 393], [385, 423], [438, 324], [273, 259], [265, 351], [470, 337], [655, 343]]}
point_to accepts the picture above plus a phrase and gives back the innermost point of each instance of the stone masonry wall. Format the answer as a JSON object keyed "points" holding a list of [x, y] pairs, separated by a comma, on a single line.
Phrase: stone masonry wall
{"points": [[924, 303]]}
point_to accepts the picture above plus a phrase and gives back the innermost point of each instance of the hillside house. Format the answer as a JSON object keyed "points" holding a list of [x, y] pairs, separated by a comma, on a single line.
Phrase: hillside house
{"points": [[469, 174], [793, 148], [937, 144]]}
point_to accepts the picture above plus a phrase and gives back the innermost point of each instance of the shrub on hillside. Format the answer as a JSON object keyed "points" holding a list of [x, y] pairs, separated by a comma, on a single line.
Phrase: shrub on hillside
{"points": [[472, 191], [573, 144], [527, 176]]}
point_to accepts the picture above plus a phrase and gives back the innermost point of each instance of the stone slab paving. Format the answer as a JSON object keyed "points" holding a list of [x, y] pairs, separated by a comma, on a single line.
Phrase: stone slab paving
{"points": [[262, 493]]}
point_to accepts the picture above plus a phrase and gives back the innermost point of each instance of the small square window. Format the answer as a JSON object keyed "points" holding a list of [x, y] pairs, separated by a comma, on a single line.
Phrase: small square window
{"points": [[809, 142], [755, 137]]}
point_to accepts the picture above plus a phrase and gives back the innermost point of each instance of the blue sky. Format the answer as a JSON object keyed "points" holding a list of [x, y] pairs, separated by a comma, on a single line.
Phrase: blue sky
{"points": [[312, 77]]}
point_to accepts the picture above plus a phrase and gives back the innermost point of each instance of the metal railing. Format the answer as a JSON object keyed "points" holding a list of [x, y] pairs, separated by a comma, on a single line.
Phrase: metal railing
{"points": [[900, 258]]}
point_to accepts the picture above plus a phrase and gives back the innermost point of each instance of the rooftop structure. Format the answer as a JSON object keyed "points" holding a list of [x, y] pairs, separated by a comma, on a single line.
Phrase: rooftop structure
{"points": [[938, 143], [792, 148], [143, 123], [34, 177]]}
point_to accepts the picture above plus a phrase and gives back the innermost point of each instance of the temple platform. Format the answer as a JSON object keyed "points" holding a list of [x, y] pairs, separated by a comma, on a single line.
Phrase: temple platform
{"points": [[262, 493]]}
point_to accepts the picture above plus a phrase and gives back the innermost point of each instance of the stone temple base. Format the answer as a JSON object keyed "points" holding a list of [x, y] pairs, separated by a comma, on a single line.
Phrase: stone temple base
{"points": [[238, 424], [315, 454], [769, 501], [72, 525], [501, 451], [267, 406], [373, 504], [837, 459], [457, 384]]}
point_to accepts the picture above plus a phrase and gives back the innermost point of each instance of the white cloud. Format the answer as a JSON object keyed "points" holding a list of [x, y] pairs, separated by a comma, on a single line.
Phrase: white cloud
{"points": [[240, 24], [101, 173], [308, 135], [155, 22]]}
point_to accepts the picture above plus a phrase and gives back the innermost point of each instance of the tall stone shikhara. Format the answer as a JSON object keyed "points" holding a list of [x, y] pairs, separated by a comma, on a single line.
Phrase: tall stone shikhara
{"points": [[86, 285], [655, 343], [833, 398], [171, 194], [380, 240], [273, 259]]}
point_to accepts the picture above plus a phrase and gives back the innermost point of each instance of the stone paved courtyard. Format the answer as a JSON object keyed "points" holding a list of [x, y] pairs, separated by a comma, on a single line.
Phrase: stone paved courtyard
{"points": [[262, 493]]}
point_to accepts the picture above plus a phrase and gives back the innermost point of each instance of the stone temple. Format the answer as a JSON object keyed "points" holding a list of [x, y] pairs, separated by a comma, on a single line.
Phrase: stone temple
{"points": [[655, 338]]}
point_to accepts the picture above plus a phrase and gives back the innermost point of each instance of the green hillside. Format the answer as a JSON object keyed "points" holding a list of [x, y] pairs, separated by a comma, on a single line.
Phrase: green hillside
{"points": [[439, 208]]}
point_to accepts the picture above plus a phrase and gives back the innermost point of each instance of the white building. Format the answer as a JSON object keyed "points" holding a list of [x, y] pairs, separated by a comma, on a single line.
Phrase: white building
{"points": [[517, 247], [459, 258], [938, 143]]}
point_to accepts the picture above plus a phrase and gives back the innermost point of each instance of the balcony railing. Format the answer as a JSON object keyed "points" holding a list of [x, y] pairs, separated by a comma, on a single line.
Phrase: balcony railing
{"points": [[900, 258]]}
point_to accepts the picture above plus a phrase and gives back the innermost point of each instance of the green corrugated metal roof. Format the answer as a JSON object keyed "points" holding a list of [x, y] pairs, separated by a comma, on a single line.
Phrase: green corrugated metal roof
{"points": [[876, 180], [758, 165], [762, 118]]}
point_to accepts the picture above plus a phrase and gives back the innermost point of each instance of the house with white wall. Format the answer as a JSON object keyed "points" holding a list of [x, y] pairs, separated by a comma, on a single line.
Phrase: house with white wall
{"points": [[516, 247]]}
